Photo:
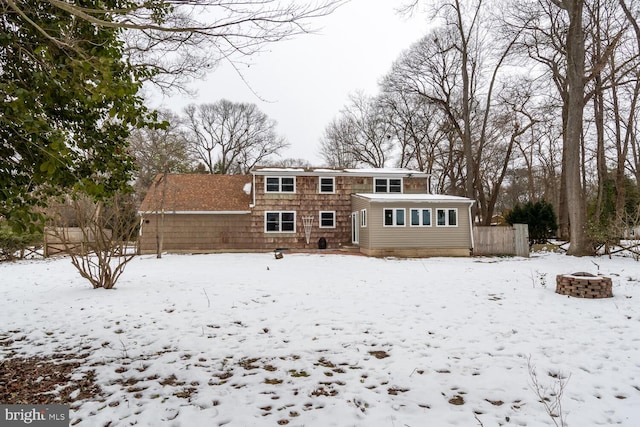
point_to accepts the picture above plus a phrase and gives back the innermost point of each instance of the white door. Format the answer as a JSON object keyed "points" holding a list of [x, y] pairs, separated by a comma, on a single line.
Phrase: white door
{"points": [[355, 227]]}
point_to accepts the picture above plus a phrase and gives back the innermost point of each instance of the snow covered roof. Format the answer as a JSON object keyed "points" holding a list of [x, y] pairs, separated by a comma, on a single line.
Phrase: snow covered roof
{"points": [[371, 172], [413, 198]]}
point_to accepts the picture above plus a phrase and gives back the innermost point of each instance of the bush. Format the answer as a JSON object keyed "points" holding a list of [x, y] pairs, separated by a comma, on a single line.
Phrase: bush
{"points": [[540, 218], [12, 243]]}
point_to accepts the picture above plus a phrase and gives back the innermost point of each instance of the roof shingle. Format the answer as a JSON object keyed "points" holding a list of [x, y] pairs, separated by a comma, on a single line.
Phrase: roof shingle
{"points": [[195, 192]]}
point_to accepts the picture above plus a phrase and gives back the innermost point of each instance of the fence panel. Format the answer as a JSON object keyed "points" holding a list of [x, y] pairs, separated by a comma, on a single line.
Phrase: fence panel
{"points": [[501, 240]]}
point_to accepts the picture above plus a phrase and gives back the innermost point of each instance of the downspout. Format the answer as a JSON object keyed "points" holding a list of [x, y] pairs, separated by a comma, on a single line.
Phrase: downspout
{"points": [[253, 190], [471, 227]]}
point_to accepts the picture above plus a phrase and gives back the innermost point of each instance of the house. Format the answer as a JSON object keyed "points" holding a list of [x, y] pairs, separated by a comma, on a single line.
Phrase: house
{"points": [[377, 211]]}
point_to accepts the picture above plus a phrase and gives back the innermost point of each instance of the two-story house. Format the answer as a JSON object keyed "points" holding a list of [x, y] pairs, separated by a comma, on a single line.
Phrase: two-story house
{"points": [[380, 211]]}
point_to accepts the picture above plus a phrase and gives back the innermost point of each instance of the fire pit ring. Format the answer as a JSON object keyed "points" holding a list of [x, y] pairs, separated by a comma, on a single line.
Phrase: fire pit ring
{"points": [[584, 285]]}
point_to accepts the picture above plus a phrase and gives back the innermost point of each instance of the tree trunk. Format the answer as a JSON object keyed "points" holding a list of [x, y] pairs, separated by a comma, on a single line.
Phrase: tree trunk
{"points": [[573, 138]]}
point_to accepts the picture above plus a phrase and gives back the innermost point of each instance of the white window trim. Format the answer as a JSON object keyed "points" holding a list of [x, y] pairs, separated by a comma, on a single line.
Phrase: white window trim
{"points": [[395, 217], [279, 184], [420, 211], [280, 222], [388, 185], [333, 184], [446, 217], [334, 219], [363, 218]]}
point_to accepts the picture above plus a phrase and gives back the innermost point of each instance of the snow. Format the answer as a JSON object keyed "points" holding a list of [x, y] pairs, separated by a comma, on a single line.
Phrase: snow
{"points": [[414, 197], [335, 340], [247, 188]]}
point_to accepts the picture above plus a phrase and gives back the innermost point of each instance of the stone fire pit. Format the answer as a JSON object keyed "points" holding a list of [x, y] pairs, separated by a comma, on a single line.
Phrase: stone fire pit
{"points": [[584, 285]]}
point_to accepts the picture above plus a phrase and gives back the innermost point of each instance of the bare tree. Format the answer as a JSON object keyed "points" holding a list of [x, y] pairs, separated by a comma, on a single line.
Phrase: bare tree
{"points": [[175, 40], [335, 147], [98, 236], [361, 135], [159, 151], [231, 138]]}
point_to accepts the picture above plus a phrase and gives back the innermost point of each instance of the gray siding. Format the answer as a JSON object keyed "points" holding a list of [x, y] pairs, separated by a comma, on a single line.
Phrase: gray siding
{"points": [[407, 236]]}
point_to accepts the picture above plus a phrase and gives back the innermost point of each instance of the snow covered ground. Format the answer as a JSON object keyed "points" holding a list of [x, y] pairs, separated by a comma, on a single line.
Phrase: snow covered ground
{"points": [[336, 340]]}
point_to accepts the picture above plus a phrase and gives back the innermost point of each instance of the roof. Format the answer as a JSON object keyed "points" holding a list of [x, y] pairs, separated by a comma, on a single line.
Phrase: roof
{"points": [[373, 172], [414, 198], [199, 193]]}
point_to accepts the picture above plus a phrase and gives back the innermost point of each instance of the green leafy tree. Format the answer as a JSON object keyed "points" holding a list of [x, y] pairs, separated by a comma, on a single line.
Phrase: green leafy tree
{"points": [[70, 72], [67, 109], [539, 216]]}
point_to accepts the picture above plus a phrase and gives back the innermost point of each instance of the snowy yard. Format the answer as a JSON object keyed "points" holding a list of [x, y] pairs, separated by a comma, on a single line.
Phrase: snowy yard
{"points": [[334, 340]]}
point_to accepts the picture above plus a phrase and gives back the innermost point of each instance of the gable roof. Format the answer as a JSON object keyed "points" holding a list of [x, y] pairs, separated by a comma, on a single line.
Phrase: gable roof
{"points": [[199, 193]]}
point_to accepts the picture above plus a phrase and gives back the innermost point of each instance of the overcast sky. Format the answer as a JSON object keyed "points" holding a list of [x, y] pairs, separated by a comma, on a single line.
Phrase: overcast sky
{"points": [[307, 80]]}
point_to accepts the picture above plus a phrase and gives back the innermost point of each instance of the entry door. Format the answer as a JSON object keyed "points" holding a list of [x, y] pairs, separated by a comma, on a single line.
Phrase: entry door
{"points": [[355, 228]]}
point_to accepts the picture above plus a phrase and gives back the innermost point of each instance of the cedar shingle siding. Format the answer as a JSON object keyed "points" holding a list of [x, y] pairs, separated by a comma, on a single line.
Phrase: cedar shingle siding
{"points": [[207, 213]]}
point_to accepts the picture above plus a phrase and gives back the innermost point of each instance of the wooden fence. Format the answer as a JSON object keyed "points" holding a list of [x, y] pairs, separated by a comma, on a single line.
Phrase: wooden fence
{"points": [[501, 240], [64, 239]]}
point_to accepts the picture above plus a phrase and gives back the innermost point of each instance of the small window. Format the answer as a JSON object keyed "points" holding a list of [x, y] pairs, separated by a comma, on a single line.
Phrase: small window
{"points": [[453, 217], [327, 219], [363, 218], [387, 185], [280, 222], [273, 185], [278, 184], [327, 185], [395, 186], [447, 217], [287, 185], [420, 217], [394, 217]]}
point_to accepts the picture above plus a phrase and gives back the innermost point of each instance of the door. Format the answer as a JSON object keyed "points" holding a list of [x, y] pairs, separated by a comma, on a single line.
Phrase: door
{"points": [[355, 227]]}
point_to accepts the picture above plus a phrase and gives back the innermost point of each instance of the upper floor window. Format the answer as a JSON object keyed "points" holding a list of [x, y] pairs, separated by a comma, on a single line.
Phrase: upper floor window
{"points": [[420, 217], [280, 184], [394, 217], [447, 217], [388, 185], [327, 184], [279, 222]]}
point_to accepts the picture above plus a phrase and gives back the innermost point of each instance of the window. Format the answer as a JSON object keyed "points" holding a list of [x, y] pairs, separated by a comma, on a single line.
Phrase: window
{"points": [[363, 218], [280, 184], [421, 217], [387, 185], [327, 219], [280, 222], [394, 217], [327, 184], [447, 217]]}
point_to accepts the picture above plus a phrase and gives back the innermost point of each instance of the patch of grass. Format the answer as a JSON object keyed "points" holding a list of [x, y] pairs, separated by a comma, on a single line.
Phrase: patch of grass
{"points": [[458, 400], [379, 354]]}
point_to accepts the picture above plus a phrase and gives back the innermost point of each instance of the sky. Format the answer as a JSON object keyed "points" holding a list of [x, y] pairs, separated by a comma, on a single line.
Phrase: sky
{"points": [[303, 83], [321, 340]]}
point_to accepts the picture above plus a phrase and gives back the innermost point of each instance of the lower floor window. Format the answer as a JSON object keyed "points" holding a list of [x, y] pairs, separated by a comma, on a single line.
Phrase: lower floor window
{"points": [[280, 222], [421, 217], [447, 217], [394, 217], [327, 219]]}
